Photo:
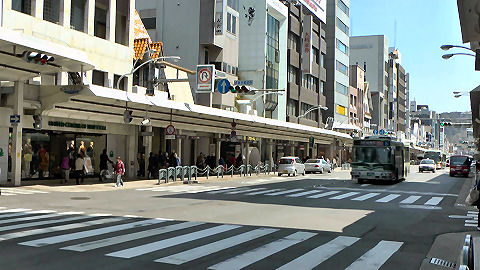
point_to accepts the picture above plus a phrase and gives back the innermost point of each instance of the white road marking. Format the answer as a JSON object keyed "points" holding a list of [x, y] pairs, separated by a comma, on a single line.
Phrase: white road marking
{"points": [[304, 193], [388, 198], [59, 228], [343, 196], [39, 223], [411, 199], [323, 194], [264, 191], [365, 197], [225, 190], [5, 221], [365, 185], [205, 250], [320, 254], [388, 191], [162, 244], [284, 192], [262, 252], [243, 191], [470, 225], [376, 256], [423, 207], [13, 210], [131, 237], [473, 212], [84, 234], [471, 221], [434, 201]]}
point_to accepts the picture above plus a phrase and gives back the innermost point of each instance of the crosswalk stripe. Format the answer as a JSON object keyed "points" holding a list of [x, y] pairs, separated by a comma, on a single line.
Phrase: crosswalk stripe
{"points": [[304, 193], [473, 212], [37, 223], [262, 252], [264, 191], [28, 191], [16, 191], [284, 192], [162, 244], [434, 201], [388, 198], [84, 234], [226, 190], [2, 216], [376, 256], [366, 196], [343, 196], [5, 221], [320, 254], [411, 199], [130, 237], [205, 250], [323, 194], [243, 191], [2, 212], [471, 221], [59, 228]]}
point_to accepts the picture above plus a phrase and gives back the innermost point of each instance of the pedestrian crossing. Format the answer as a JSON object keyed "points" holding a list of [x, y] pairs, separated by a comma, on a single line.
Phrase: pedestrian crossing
{"points": [[335, 195], [185, 189], [188, 243], [19, 191]]}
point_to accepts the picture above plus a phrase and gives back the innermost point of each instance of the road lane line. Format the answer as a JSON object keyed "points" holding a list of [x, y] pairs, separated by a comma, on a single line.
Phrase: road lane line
{"points": [[89, 233], [166, 243], [387, 191], [262, 252], [59, 228], [320, 254], [2, 212], [243, 191], [205, 250], [323, 194], [388, 198], [284, 192], [365, 197], [264, 191], [131, 237], [411, 199], [434, 201], [226, 190], [376, 256], [28, 218], [343, 196], [304, 193]]}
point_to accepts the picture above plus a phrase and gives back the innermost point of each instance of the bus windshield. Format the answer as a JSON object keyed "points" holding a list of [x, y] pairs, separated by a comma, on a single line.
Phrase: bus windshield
{"points": [[459, 160], [379, 155]]}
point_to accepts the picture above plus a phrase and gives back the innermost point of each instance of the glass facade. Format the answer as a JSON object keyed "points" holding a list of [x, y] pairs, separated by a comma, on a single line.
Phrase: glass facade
{"points": [[273, 55]]}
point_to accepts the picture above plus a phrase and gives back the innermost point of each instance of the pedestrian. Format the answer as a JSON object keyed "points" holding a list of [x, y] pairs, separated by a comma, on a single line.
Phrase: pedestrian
{"points": [[104, 159], [161, 161], [79, 167], [119, 171], [179, 161], [201, 161], [239, 160], [66, 167], [151, 166], [142, 165], [173, 160]]}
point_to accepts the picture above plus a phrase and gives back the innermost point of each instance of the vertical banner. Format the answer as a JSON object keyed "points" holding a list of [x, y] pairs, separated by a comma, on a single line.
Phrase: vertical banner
{"points": [[307, 56], [219, 17]]}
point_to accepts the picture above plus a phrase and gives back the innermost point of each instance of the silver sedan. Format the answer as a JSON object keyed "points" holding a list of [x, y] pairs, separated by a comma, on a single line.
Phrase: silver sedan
{"points": [[317, 165]]}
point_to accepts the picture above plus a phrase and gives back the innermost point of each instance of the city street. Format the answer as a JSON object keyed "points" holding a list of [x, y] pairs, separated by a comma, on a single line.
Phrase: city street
{"points": [[321, 221]]}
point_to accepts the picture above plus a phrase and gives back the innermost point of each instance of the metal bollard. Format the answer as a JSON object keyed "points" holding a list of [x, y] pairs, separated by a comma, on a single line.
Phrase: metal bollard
{"points": [[465, 257], [208, 171], [233, 169], [463, 267]]}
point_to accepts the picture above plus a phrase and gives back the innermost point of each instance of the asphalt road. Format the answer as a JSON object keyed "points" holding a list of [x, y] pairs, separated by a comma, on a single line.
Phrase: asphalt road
{"points": [[306, 222]]}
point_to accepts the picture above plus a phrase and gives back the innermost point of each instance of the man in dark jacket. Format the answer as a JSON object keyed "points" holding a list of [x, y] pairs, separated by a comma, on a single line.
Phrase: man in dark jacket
{"points": [[104, 159]]}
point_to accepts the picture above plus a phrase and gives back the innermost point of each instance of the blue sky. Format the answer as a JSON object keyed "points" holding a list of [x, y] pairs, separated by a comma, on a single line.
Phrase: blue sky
{"points": [[422, 27]]}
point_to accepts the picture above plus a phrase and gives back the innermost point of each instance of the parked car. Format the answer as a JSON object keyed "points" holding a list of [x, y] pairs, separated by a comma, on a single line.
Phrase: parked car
{"points": [[317, 165], [460, 165], [290, 166], [427, 165]]}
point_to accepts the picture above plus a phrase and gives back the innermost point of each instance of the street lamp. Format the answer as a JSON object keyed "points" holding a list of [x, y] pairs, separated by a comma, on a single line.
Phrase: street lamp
{"points": [[448, 47], [457, 94], [250, 101], [449, 55], [319, 107]]}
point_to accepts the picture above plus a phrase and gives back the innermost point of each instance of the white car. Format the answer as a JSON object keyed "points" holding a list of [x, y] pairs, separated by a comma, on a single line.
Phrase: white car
{"points": [[290, 166], [427, 165], [317, 165]]}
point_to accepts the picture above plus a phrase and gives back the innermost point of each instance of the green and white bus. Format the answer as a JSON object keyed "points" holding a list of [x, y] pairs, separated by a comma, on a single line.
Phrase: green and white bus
{"points": [[380, 158]]}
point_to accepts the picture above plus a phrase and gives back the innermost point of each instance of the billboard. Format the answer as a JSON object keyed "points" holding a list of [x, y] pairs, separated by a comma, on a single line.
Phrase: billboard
{"points": [[307, 54], [317, 7]]}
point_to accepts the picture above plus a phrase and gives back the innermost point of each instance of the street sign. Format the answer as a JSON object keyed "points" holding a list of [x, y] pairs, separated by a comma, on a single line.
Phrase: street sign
{"points": [[205, 78], [233, 134], [170, 137], [170, 130], [223, 86], [382, 132], [243, 82], [14, 119], [375, 132]]}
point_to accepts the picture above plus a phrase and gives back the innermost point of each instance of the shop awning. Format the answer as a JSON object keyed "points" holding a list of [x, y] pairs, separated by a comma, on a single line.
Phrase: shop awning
{"points": [[97, 103]]}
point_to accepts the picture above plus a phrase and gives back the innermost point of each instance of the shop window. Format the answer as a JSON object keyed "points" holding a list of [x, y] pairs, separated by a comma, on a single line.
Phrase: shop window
{"points": [[98, 77], [100, 29], [51, 10], [77, 15], [24, 6]]}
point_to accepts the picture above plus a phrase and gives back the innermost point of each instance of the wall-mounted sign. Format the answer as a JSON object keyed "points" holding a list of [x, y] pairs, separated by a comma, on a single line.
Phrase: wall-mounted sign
{"points": [[307, 54], [317, 7], [76, 125], [219, 17]]}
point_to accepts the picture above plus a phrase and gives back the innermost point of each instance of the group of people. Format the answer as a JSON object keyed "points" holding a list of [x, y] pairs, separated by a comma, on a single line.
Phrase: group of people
{"points": [[157, 162]]}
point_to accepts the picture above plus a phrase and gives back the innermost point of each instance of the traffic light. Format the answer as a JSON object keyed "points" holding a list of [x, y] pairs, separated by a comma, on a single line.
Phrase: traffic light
{"points": [[37, 122], [244, 90], [311, 142], [37, 58], [445, 124], [127, 116], [233, 132]]}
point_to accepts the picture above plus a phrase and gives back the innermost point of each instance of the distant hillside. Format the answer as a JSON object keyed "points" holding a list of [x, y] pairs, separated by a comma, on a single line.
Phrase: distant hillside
{"points": [[456, 134]]}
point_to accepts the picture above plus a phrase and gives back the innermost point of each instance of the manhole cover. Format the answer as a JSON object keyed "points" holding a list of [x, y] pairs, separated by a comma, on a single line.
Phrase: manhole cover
{"points": [[80, 198], [441, 262]]}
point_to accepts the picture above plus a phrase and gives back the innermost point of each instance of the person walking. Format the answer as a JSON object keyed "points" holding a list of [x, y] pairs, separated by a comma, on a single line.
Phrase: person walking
{"points": [[104, 159], [65, 168], [79, 167], [119, 172], [173, 160]]}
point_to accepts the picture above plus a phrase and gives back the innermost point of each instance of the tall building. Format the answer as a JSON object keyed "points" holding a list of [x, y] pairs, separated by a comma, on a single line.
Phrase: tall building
{"points": [[200, 32], [307, 74], [371, 53], [337, 59], [356, 96]]}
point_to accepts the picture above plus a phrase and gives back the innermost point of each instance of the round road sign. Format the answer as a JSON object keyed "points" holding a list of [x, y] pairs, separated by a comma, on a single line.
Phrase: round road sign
{"points": [[170, 130], [205, 75]]}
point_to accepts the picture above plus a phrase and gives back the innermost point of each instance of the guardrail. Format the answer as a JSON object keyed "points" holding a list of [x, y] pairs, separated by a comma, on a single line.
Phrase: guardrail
{"points": [[192, 172], [466, 256]]}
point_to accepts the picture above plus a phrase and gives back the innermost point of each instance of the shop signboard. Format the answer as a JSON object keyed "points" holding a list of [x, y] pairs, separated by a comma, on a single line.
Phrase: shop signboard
{"points": [[307, 54], [317, 7]]}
